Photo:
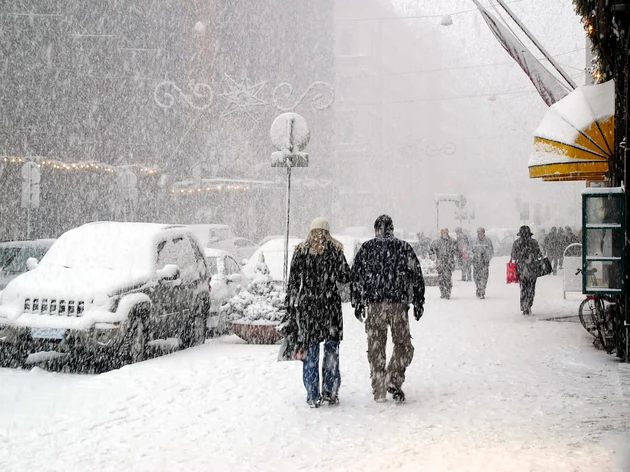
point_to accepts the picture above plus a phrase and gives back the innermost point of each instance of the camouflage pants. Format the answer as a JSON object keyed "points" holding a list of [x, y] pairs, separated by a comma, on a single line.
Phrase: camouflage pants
{"points": [[379, 317]]}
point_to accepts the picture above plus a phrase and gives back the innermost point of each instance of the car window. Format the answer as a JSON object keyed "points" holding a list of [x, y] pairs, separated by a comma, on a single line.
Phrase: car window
{"points": [[7, 255], [185, 254], [231, 266], [166, 254], [213, 266], [18, 263]]}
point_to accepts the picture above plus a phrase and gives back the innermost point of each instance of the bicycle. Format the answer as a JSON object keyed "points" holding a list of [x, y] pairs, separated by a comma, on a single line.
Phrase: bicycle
{"points": [[597, 314]]}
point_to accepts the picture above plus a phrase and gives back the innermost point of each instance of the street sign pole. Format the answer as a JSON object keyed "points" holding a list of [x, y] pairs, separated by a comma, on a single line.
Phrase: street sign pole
{"points": [[289, 134], [30, 191], [285, 269]]}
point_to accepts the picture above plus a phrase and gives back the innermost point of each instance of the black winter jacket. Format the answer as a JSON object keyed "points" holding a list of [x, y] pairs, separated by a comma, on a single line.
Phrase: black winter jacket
{"points": [[313, 290], [386, 269], [526, 253]]}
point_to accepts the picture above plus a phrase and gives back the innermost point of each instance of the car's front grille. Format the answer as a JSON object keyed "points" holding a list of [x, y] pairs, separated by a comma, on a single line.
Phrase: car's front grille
{"points": [[45, 306]]}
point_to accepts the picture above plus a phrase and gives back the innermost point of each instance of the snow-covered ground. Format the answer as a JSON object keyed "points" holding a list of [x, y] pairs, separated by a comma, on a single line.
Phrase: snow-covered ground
{"points": [[488, 390]]}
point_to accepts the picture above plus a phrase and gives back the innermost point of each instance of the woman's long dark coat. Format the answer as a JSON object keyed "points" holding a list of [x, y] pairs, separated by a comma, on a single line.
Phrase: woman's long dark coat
{"points": [[314, 290]]}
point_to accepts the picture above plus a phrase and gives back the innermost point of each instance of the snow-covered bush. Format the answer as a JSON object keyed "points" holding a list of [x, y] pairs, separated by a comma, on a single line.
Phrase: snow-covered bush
{"points": [[260, 303]]}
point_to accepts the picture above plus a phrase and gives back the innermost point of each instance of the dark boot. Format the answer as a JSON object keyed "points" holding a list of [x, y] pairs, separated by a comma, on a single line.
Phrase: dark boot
{"points": [[397, 394]]}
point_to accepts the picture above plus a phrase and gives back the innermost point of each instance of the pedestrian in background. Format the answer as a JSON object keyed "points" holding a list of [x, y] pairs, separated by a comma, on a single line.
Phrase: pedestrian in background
{"points": [[386, 278], [444, 250], [526, 253], [482, 250], [463, 254], [561, 246], [552, 245], [318, 268]]}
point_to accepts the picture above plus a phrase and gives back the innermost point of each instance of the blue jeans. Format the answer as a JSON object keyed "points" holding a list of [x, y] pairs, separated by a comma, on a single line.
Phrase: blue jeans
{"points": [[331, 374]]}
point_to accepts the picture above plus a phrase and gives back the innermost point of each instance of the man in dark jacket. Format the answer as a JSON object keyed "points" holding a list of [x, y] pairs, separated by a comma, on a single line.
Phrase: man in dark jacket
{"points": [[386, 278], [526, 253], [482, 250], [444, 249]]}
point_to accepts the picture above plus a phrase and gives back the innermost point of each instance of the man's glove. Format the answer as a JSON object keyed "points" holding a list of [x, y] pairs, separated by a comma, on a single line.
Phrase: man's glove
{"points": [[359, 312], [418, 311]]}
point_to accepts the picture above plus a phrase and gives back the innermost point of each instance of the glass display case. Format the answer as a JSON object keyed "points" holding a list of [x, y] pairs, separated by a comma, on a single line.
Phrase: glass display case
{"points": [[603, 229]]}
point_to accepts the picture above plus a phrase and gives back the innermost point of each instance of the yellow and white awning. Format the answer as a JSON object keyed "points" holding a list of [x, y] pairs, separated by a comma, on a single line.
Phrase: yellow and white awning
{"points": [[575, 139]]}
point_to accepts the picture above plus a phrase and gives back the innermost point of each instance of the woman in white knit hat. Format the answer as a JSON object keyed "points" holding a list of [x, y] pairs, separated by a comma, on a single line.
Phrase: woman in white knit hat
{"points": [[317, 268]]}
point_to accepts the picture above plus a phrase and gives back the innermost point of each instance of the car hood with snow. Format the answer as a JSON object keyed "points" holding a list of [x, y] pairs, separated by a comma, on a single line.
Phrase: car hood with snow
{"points": [[83, 273]]}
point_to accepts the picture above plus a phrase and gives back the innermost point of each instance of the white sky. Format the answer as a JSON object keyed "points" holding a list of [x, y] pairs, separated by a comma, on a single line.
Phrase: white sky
{"points": [[494, 137]]}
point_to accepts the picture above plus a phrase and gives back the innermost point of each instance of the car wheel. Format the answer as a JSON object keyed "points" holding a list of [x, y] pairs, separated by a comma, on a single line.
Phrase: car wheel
{"points": [[13, 355], [194, 333], [135, 342]]}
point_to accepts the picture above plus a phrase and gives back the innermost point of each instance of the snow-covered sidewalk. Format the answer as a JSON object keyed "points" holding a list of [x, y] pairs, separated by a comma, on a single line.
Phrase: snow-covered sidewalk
{"points": [[488, 390]]}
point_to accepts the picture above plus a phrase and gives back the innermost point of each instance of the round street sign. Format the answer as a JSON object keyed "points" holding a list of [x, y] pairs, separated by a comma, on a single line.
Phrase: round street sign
{"points": [[290, 131]]}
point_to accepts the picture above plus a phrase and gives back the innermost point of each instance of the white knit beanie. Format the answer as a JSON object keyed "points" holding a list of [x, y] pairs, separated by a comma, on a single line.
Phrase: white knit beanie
{"points": [[320, 223]]}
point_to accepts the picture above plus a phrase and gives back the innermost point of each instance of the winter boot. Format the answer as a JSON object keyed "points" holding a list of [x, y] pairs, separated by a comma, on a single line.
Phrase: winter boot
{"points": [[315, 403], [330, 398], [397, 394]]}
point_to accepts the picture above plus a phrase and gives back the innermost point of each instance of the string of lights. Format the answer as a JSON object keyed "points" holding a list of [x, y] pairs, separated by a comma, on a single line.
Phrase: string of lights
{"points": [[74, 166]]}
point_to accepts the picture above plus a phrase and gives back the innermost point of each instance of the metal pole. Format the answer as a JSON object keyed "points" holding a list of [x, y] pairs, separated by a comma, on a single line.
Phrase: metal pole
{"points": [[286, 240], [551, 60], [437, 217], [28, 221], [285, 270]]}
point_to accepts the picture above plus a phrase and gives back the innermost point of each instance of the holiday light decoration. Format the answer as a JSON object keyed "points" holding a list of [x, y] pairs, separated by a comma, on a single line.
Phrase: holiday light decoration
{"points": [[90, 166]]}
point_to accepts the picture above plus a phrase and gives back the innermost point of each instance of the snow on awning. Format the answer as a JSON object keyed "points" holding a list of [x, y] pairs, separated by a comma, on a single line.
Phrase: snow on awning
{"points": [[575, 139]]}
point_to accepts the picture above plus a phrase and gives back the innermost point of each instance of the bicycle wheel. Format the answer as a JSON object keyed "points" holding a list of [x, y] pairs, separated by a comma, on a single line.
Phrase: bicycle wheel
{"points": [[601, 324], [586, 313]]}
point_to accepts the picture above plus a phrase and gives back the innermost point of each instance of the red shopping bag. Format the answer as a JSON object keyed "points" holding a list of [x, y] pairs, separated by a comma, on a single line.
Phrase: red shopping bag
{"points": [[511, 274]]}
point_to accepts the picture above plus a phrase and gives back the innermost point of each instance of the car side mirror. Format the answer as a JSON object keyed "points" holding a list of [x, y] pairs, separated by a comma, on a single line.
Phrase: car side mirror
{"points": [[168, 272], [31, 263]]}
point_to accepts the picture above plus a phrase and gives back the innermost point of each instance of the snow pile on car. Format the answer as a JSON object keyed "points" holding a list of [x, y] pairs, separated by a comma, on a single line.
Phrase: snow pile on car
{"points": [[261, 302]]}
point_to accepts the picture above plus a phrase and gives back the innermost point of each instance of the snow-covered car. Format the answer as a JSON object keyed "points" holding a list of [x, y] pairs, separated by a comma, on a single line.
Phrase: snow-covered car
{"points": [[209, 234], [227, 280], [14, 256], [108, 288], [273, 251], [240, 248], [274, 236]]}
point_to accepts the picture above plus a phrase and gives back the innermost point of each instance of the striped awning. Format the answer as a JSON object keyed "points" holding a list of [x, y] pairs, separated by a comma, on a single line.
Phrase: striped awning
{"points": [[575, 139]]}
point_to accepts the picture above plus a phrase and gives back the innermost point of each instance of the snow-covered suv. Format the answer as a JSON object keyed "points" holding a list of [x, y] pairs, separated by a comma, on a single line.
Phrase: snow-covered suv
{"points": [[108, 288]]}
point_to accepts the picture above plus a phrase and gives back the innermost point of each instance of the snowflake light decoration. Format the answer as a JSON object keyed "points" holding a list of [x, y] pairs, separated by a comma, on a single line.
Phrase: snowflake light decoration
{"points": [[242, 96]]}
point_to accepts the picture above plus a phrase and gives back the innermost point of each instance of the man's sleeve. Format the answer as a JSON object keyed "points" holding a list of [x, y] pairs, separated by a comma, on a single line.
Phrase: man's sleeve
{"points": [[417, 279], [344, 269], [356, 278]]}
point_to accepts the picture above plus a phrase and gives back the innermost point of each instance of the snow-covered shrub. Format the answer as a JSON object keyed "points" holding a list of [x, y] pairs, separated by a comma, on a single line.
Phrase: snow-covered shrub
{"points": [[261, 302]]}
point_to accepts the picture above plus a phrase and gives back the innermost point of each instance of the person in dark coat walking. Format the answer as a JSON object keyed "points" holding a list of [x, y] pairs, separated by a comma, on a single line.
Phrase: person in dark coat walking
{"points": [[463, 254], [526, 253], [552, 245], [482, 250], [386, 278], [444, 249], [318, 268]]}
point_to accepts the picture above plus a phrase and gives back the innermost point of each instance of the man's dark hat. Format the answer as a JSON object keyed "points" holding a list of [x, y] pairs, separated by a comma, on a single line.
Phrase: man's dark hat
{"points": [[524, 231]]}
